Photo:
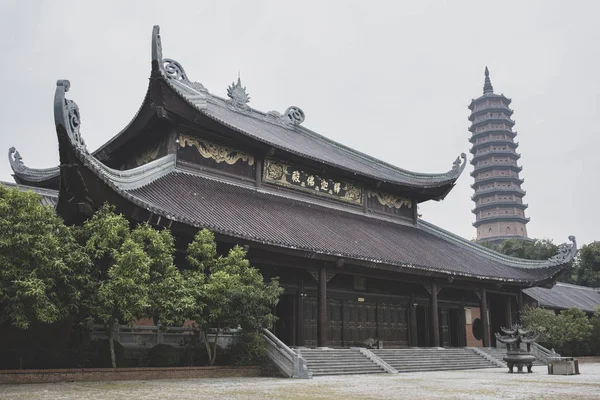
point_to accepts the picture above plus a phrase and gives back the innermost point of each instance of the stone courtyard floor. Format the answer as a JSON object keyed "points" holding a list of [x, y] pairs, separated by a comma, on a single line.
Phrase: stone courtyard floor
{"points": [[480, 384]]}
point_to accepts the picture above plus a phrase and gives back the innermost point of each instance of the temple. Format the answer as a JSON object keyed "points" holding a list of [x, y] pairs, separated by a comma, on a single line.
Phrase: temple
{"points": [[338, 227], [499, 208]]}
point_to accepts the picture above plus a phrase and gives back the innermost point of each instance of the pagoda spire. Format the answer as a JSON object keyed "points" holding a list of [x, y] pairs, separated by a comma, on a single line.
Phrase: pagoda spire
{"points": [[487, 86]]}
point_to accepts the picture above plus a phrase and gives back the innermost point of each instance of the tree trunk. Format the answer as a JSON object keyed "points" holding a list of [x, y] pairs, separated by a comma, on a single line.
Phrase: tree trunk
{"points": [[208, 349], [214, 351], [111, 343]]}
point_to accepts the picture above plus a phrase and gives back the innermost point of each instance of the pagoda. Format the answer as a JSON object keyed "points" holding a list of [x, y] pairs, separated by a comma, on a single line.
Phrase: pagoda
{"points": [[499, 208]]}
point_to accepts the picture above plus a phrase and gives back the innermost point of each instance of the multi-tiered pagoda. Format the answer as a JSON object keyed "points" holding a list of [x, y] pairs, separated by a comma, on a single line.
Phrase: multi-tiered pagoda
{"points": [[499, 208]]}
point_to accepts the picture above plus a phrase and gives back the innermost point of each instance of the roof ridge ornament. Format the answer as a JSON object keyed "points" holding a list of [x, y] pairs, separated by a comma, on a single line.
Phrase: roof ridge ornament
{"points": [[238, 95], [458, 166], [292, 116], [566, 252], [16, 161], [156, 45], [66, 114]]}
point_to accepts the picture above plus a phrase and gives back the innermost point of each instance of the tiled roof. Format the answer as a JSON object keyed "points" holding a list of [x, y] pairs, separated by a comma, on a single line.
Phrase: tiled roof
{"points": [[49, 197], [564, 295], [253, 214]]}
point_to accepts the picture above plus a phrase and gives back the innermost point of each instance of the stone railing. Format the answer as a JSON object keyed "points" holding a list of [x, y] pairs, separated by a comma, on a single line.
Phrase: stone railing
{"points": [[147, 336], [288, 362], [540, 352]]}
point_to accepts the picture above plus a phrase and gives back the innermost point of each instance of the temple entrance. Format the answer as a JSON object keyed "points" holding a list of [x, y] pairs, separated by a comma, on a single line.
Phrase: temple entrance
{"points": [[498, 315], [285, 326], [454, 328], [423, 326]]}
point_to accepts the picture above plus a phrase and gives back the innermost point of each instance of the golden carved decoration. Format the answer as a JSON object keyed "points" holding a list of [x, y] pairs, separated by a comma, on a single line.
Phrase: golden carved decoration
{"points": [[283, 174], [216, 152], [148, 155], [389, 200]]}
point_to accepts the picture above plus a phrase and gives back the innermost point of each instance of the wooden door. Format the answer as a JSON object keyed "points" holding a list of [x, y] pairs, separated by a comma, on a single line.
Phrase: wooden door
{"points": [[360, 322], [392, 324], [310, 321], [335, 319]]}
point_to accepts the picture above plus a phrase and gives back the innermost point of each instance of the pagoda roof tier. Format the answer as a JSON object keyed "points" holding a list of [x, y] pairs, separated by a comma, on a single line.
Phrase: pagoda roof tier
{"points": [[496, 166], [501, 204], [507, 121], [500, 153], [494, 142], [486, 132], [490, 108], [487, 96], [501, 178], [500, 218], [501, 191], [262, 217]]}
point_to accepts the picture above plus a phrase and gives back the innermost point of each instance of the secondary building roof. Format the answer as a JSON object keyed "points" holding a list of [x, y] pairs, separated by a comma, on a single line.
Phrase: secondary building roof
{"points": [[564, 295]]}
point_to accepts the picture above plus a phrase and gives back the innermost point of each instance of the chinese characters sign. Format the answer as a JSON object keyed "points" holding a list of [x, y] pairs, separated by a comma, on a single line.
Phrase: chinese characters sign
{"points": [[285, 175]]}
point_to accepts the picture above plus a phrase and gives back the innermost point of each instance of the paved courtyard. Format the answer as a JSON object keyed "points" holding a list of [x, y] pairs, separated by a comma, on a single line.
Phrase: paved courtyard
{"points": [[465, 385]]}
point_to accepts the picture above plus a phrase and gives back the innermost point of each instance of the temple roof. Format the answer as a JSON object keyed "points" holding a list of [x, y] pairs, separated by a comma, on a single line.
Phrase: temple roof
{"points": [[267, 217], [563, 296], [281, 131]]}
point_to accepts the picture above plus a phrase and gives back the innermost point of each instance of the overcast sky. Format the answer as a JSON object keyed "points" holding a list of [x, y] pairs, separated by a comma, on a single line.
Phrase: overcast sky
{"points": [[392, 79]]}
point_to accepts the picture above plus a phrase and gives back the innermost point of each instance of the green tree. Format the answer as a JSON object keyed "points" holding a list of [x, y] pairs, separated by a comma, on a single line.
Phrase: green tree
{"points": [[134, 276], [543, 322], [42, 267], [573, 330], [588, 265], [570, 329], [229, 293]]}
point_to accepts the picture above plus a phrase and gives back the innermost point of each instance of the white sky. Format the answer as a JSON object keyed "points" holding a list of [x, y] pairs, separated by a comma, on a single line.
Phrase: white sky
{"points": [[389, 78]]}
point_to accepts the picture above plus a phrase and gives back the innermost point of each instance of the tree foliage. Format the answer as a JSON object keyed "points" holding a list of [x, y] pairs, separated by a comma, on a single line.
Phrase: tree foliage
{"points": [[588, 265], [134, 275], [229, 293], [567, 330], [42, 268]]}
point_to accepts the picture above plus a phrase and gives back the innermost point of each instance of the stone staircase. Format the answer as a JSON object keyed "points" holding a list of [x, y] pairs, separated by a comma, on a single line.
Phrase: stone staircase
{"points": [[338, 362], [433, 359], [499, 352]]}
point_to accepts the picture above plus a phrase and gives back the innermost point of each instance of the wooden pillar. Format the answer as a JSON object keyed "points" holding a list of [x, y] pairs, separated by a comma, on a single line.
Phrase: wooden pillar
{"points": [[257, 172], [519, 305], [414, 335], [484, 318], [435, 323], [300, 312], [462, 325], [508, 312], [322, 309]]}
